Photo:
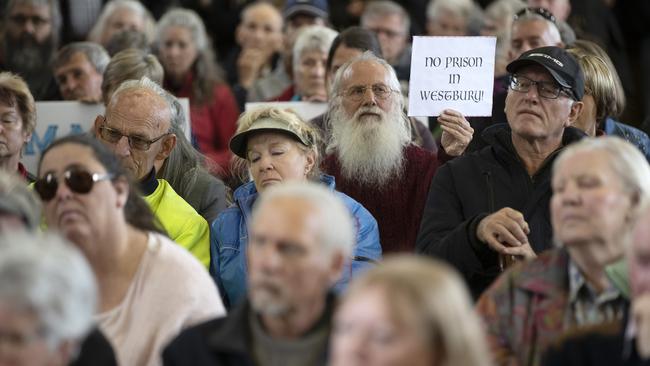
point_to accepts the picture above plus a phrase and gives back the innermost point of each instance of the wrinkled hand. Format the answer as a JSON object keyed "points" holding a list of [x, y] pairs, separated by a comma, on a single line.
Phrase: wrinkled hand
{"points": [[456, 132], [505, 232], [641, 314], [249, 65]]}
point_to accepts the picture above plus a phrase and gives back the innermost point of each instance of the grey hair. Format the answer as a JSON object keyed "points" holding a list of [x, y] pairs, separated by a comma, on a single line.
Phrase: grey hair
{"points": [[567, 34], [344, 72], [49, 277], [624, 159], [383, 8], [528, 16], [130, 64], [335, 102], [55, 13], [94, 52], [337, 232], [465, 8], [146, 84], [187, 19], [16, 198], [313, 38], [135, 6], [184, 164]]}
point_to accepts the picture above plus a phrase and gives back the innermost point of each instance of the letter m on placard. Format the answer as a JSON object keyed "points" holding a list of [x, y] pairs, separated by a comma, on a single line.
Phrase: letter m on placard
{"points": [[41, 143]]}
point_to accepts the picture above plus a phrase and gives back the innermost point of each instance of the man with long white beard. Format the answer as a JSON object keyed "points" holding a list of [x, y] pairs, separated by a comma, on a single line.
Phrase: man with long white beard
{"points": [[28, 43], [370, 152]]}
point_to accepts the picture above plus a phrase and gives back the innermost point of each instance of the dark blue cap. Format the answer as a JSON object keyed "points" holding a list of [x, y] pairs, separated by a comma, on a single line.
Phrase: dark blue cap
{"points": [[315, 8]]}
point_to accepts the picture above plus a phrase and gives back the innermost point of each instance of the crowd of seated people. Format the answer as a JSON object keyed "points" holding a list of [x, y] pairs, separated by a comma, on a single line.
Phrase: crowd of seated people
{"points": [[204, 218]]}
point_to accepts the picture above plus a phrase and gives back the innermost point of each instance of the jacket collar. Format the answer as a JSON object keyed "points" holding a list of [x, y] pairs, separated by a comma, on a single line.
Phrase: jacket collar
{"points": [[543, 275], [149, 183], [246, 194], [233, 335], [500, 135]]}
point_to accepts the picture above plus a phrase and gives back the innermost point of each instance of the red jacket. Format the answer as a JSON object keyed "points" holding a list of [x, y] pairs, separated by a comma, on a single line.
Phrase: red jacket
{"points": [[213, 123]]}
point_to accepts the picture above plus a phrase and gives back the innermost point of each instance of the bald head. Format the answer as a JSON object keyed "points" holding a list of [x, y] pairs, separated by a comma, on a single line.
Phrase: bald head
{"points": [[145, 107], [137, 126]]}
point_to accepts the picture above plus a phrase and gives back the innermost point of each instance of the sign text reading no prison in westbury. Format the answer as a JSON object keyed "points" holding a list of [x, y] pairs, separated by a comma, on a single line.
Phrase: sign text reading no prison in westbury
{"points": [[452, 73]]}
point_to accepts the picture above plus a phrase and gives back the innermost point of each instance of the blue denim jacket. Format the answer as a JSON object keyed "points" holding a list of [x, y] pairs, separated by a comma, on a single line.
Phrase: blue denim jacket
{"points": [[630, 134], [229, 235]]}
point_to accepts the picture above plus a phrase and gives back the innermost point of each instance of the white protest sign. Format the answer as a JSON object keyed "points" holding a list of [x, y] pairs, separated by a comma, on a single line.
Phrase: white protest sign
{"points": [[58, 119], [306, 110], [452, 72]]}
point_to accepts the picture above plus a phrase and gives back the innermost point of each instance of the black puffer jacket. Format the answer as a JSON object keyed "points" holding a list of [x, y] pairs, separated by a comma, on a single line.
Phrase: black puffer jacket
{"points": [[468, 188]]}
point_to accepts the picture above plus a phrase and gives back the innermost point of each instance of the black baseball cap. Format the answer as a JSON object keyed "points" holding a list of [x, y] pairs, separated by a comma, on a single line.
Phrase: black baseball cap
{"points": [[564, 68]]}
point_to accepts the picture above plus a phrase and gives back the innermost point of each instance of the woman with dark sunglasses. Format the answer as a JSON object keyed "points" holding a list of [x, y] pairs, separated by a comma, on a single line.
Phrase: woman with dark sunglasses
{"points": [[150, 288]]}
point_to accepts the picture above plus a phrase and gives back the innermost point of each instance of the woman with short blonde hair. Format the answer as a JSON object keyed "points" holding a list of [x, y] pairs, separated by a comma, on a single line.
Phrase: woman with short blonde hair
{"points": [[18, 121], [277, 146], [604, 98]]}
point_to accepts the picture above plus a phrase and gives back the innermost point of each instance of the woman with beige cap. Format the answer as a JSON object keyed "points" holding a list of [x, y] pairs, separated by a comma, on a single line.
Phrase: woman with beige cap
{"points": [[277, 146]]}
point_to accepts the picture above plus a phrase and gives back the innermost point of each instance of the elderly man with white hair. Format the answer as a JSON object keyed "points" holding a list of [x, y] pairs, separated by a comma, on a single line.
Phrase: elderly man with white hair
{"points": [[48, 297], [371, 154], [137, 127], [301, 238]]}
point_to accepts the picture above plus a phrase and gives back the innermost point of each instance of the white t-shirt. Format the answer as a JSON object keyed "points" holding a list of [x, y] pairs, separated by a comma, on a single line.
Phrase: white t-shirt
{"points": [[170, 291]]}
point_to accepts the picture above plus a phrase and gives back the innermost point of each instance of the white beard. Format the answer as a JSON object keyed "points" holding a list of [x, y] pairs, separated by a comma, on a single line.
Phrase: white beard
{"points": [[268, 299], [369, 147]]}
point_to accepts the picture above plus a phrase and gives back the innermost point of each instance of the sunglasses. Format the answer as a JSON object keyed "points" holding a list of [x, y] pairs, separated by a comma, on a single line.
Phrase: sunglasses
{"points": [[539, 11], [78, 180]]}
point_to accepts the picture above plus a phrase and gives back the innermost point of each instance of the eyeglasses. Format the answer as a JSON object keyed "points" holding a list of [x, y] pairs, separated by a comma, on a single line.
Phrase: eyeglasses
{"points": [[113, 136], [78, 180], [539, 11], [545, 89], [356, 93]]}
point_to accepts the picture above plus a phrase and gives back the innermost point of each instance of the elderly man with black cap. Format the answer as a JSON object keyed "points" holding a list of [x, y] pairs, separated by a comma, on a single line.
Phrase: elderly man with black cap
{"points": [[490, 207]]}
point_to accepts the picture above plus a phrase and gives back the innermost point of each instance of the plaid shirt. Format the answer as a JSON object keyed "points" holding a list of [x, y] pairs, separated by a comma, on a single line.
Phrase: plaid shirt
{"points": [[589, 307]]}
